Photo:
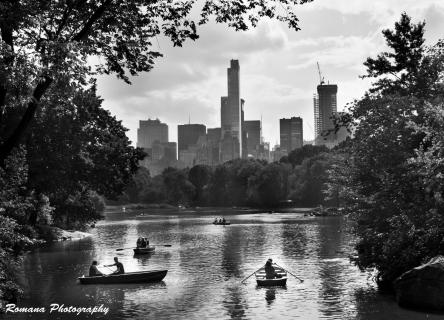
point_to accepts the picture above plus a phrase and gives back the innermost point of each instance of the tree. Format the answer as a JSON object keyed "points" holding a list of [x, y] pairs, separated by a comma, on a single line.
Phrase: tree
{"points": [[390, 167], [54, 39], [296, 156], [398, 70], [199, 176], [179, 190], [267, 187], [76, 149], [307, 181]]}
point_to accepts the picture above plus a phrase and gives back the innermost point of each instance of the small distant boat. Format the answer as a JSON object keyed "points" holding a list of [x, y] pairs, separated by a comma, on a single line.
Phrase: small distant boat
{"points": [[147, 250], [263, 281], [222, 223], [130, 277]]}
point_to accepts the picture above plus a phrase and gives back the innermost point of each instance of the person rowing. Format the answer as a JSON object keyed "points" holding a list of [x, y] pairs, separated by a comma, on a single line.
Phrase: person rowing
{"points": [[270, 272], [118, 265], [93, 270]]}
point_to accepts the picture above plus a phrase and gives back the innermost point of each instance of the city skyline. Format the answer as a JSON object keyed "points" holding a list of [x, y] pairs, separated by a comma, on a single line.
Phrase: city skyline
{"points": [[279, 72]]}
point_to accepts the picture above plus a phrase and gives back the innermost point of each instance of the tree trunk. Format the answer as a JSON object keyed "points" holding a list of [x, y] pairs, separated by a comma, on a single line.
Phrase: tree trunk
{"points": [[14, 139]]}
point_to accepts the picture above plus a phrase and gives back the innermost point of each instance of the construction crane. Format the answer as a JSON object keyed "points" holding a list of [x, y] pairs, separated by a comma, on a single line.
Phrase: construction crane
{"points": [[321, 78]]}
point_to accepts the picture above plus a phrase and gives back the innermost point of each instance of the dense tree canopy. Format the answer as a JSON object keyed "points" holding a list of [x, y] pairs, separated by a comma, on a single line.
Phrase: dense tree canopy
{"points": [[238, 182], [389, 175]]}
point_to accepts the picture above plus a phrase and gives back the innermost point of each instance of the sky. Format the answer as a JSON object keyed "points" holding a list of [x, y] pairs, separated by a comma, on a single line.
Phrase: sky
{"points": [[278, 71]]}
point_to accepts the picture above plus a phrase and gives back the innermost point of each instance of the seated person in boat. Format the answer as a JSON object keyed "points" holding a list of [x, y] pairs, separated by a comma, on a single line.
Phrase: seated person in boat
{"points": [[93, 270], [223, 220], [139, 242], [143, 243], [147, 243], [119, 266], [270, 272]]}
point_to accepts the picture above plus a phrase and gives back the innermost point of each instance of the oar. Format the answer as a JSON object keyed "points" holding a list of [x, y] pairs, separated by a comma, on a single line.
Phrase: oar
{"points": [[301, 280], [112, 271], [120, 249], [251, 275]]}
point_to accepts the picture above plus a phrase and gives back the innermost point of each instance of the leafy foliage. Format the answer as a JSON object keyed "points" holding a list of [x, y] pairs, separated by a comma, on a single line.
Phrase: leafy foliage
{"points": [[238, 182], [391, 167]]}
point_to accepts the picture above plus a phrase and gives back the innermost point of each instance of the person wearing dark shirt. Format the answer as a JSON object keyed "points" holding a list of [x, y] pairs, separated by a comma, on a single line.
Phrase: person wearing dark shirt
{"points": [[119, 266], [270, 272], [139, 242], [93, 271]]}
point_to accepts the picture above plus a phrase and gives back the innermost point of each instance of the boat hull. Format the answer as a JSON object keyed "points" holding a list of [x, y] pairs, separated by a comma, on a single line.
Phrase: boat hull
{"points": [[221, 224], [261, 279], [130, 277], [278, 282], [146, 250]]}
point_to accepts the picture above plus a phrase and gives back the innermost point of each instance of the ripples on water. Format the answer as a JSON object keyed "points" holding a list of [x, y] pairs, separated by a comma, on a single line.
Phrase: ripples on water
{"points": [[206, 264]]}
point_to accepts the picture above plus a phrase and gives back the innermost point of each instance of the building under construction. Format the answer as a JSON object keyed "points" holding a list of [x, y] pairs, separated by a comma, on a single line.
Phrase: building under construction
{"points": [[325, 108]]}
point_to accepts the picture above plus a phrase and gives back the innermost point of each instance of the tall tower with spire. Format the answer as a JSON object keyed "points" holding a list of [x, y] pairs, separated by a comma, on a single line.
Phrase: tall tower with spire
{"points": [[231, 115]]}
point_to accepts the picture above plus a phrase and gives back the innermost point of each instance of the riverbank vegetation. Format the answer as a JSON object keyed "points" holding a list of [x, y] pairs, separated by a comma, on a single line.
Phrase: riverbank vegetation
{"points": [[300, 177], [390, 175]]}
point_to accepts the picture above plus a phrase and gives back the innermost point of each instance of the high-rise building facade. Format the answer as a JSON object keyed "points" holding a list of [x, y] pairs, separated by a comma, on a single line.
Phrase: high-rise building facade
{"points": [[252, 128], [213, 140], [291, 134], [188, 134], [325, 107], [231, 112], [150, 131], [164, 151]]}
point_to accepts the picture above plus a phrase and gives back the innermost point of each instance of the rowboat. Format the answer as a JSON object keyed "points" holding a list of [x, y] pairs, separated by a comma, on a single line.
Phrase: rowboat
{"points": [[147, 250], [263, 281], [221, 223], [130, 277]]}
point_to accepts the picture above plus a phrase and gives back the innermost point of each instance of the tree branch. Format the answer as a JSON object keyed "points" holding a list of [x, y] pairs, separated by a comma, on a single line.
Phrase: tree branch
{"points": [[88, 25], [6, 33], [14, 139], [65, 17]]}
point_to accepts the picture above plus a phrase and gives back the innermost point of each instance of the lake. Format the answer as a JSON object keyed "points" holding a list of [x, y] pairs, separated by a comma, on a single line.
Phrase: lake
{"points": [[206, 264]]}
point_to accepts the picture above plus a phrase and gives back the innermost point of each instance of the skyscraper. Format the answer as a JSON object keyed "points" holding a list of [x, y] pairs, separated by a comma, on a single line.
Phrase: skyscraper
{"points": [[324, 108], [231, 114], [188, 134], [150, 131], [291, 134], [252, 128], [213, 139]]}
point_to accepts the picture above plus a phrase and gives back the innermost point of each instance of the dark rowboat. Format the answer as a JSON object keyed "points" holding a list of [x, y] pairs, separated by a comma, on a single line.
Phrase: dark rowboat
{"points": [[221, 223], [146, 250], [263, 281], [130, 277]]}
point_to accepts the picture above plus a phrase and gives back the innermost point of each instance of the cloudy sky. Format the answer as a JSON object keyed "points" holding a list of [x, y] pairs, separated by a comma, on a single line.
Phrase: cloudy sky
{"points": [[278, 66]]}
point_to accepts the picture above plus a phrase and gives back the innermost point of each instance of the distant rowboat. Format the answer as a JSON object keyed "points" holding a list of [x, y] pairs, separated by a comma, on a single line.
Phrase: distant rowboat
{"points": [[263, 281], [130, 277], [221, 223], [147, 250]]}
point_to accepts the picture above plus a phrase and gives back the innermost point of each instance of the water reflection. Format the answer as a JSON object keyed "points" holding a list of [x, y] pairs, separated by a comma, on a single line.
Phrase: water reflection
{"points": [[205, 266], [270, 295]]}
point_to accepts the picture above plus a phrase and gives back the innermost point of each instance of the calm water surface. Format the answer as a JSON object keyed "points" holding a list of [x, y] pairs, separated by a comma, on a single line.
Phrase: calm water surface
{"points": [[206, 264]]}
